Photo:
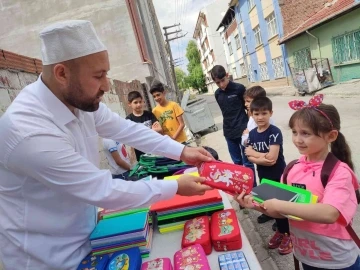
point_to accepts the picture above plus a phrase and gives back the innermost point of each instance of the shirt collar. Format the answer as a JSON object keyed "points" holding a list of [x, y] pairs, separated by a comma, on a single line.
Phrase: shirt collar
{"points": [[54, 105]]}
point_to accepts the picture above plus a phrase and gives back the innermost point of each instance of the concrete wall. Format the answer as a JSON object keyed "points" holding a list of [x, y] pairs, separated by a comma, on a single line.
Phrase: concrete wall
{"points": [[111, 19], [325, 33], [213, 18]]}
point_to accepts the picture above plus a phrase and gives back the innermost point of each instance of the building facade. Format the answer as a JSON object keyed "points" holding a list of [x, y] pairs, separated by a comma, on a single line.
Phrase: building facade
{"points": [[128, 28], [251, 31], [209, 41], [330, 32]]}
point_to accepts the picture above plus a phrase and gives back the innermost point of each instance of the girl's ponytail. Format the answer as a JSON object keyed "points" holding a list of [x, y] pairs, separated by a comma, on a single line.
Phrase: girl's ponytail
{"points": [[341, 150]]}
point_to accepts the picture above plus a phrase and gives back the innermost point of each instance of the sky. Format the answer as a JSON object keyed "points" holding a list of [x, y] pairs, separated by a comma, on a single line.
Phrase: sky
{"points": [[185, 12]]}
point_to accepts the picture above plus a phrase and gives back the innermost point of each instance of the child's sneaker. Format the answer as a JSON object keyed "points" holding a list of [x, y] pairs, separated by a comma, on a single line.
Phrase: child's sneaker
{"points": [[276, 240], [286, 246]]}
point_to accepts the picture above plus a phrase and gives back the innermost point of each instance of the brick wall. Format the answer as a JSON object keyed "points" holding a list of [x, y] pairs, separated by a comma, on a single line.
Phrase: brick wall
{"points": [[294, 13], [17, 71]]}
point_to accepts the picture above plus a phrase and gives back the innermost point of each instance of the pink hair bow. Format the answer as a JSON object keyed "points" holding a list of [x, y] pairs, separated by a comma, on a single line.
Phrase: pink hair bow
{"points": [[315, 101]]}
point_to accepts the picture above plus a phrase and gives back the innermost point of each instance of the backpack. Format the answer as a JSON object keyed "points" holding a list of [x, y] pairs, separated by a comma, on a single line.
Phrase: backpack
{"points": [[331, 163]]}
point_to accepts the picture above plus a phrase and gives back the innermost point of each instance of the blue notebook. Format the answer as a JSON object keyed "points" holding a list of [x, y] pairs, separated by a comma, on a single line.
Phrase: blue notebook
{"points": [[120, 225]]}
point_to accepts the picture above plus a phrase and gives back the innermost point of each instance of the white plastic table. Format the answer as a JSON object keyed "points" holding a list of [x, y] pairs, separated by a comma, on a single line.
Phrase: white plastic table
{"points": [[165, 245]]}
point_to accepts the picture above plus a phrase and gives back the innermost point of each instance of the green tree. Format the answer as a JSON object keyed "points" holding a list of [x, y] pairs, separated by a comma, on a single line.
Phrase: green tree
{"points": [[181, 78], [196, 78]]}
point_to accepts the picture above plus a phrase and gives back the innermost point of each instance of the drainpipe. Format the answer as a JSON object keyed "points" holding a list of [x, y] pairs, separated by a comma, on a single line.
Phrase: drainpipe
{"points": [[318, 41]]}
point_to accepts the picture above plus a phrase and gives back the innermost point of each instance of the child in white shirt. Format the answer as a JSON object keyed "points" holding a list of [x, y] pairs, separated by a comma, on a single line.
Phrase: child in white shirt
{"points": [[249, 95]]}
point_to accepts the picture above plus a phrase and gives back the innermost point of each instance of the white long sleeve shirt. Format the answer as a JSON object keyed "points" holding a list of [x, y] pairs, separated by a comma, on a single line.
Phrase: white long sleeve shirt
{"points": [[50, 182]]}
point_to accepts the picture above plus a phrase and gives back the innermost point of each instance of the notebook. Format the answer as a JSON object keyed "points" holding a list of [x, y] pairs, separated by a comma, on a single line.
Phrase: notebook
{"points": [[178, 201], [265, 192], [305, 196], [120, 225]]}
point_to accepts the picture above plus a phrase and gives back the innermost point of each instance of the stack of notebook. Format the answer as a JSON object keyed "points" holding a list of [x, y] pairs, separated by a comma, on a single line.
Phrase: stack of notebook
{"points": [[172, 214], [122, 232], [275, 190], [109, 213]]}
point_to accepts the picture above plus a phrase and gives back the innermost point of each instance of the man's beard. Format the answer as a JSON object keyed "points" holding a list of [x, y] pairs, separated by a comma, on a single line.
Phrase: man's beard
{"points": [[76, 98]]}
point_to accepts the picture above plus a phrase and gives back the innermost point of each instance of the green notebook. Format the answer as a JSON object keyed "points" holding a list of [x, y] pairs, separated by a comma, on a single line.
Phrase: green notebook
{"points": [[304, 196]]}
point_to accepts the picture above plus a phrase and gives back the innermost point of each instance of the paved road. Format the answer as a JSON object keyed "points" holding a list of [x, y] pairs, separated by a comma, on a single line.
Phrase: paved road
{"points": [[349, 109]]}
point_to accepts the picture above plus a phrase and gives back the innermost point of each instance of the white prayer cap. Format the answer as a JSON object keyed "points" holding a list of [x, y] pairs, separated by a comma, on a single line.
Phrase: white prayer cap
{"points": [[68, 40]]}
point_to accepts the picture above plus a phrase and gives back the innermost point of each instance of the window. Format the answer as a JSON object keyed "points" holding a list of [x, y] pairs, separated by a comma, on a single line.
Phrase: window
{"points": [[243, 70], [278, 67], [257, 34], [251, 4], [237, 42], [234, 73], [264, 74], [346, 48], [230, 49], [302, 59], [203, 49], [246, 46], [251, 74], [271, 25], [207, 62]]}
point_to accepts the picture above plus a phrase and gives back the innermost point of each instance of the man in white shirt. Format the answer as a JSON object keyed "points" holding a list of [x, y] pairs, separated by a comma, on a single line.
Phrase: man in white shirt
{"points": [[117, 157], [50, 183]]}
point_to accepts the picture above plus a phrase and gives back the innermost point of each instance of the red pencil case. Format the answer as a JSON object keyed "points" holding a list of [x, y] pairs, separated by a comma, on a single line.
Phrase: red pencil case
{"points": [[225, 231], [157, 264], [228, 177], [197, 231], [192, 257]]}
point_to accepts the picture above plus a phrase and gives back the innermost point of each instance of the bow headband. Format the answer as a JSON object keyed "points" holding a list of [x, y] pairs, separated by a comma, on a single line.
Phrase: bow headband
{"points": [[314, 102]]}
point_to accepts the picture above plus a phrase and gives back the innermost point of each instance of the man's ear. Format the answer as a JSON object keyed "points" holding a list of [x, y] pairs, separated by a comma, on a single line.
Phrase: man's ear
{"points": [[61, 74]]}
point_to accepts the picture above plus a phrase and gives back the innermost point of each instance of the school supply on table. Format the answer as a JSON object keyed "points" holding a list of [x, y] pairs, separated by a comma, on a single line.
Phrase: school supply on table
{"points": [[197, 231], [234, 260], [192, 257], [157, 264], [225, 231], [90, 261], [122, 232], [111, 213], [129, 259], [172, 214], [156, 166], [230, 178]]}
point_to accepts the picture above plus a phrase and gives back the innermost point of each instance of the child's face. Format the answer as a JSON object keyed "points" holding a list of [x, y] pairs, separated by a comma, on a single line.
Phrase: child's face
{"points": [[159, 97], [248, 101], [137, 105], [262, 118], [308, 143], [222, 83]]}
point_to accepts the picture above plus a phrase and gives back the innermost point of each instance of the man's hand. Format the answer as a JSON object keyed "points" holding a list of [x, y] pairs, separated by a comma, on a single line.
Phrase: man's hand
{"points": [[195, 155], [189, 185]]}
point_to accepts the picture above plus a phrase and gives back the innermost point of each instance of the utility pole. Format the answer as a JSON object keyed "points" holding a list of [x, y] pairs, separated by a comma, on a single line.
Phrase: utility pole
{"points": [[172, 64]]}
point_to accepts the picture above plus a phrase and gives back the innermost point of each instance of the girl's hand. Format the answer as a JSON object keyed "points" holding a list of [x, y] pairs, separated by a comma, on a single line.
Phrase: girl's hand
{"points": [[272, 207], [245, 200]]}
